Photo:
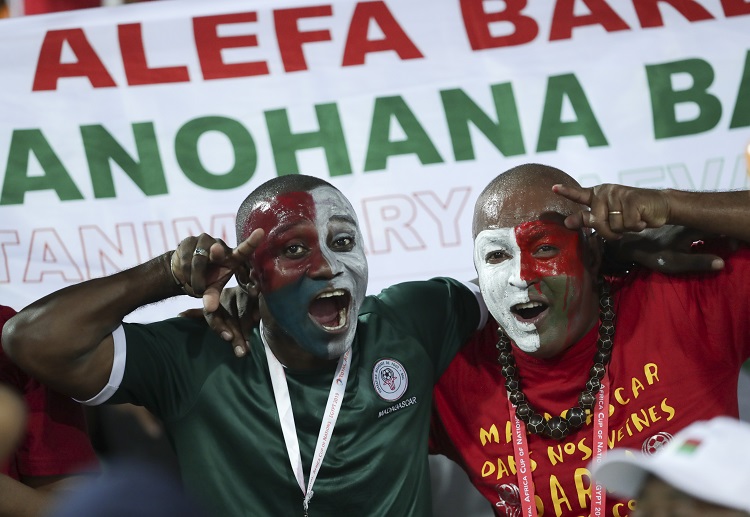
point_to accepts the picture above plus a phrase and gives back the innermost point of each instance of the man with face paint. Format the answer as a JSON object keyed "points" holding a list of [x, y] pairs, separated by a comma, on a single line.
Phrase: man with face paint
{"points": [[576, 363], [329, 412]]}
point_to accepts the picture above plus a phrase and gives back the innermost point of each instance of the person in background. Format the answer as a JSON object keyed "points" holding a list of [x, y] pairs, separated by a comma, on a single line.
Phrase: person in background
{"points": [[53, 451], [704, 471]]}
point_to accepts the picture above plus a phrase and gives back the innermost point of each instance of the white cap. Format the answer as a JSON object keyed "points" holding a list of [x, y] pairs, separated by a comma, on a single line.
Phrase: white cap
{"points": [[709, 460]]}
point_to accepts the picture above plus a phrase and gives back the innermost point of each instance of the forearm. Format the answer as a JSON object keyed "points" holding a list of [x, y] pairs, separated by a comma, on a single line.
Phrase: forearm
{"points": [[65, 339], [725, 213], [19, 500]]}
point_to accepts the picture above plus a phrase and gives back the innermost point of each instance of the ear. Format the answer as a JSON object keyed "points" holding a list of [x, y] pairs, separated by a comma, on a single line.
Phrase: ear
{"points": [[247, 281]]}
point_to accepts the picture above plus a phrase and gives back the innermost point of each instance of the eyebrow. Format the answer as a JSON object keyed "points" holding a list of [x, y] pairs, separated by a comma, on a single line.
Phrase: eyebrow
{"points": [[343, 219]]}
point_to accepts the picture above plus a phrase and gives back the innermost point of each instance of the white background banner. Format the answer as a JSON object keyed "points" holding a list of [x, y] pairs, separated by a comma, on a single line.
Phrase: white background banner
{"points": [[125, 129]]}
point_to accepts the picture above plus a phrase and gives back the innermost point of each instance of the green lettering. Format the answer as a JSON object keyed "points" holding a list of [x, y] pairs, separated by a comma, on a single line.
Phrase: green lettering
{"points": [[552, 126], [741, 115], [505, 133], [243, 147], [665, 99], [380, 147], [17, 180], [101, 149], [330, 137]]}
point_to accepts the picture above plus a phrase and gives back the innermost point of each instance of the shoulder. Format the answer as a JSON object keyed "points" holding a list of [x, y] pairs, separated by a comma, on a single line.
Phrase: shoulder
{"points": [[439, 290]]}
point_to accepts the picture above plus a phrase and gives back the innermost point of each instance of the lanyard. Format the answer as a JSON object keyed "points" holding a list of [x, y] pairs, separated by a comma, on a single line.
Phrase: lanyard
{"points": [[523, 462], [286, 417]]}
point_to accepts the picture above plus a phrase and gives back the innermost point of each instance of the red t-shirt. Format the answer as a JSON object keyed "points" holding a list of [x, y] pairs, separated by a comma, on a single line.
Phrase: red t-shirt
{"points": [[56, 441], [680, 342]]}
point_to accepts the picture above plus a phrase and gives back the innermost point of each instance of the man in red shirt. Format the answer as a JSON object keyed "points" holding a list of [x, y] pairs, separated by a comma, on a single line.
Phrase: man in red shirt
{"points": [[583, 363], [54, 448]]}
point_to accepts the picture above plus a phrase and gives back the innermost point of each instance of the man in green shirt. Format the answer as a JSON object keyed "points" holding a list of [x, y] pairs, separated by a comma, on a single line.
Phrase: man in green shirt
{"points": [[328, 416]]}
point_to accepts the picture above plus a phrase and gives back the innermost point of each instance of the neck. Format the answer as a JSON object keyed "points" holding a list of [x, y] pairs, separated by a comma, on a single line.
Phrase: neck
{"points": [[289, 353]]}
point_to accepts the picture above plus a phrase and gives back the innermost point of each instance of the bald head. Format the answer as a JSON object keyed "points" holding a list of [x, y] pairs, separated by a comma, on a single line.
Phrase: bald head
{"points": [[522, 194]]}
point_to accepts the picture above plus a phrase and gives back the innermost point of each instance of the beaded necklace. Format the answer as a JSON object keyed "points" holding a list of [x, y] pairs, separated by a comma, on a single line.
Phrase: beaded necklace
{"points": [[558, 427]]}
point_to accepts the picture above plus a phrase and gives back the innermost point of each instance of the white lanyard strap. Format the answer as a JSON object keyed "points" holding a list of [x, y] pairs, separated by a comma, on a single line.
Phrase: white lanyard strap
{"points": [[286, 417]]}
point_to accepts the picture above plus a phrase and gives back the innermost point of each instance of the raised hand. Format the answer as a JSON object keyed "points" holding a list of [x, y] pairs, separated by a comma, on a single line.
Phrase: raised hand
{"points": [[203, 265], [616, 209]]}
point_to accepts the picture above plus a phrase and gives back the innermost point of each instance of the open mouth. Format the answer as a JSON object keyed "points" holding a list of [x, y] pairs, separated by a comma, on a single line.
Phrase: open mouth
{"points": [[529, 311], [329, 309]]}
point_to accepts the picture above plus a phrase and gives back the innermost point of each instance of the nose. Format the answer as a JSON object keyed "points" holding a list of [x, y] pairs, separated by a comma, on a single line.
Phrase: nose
{"points": [[324, 265], [518, 283]]}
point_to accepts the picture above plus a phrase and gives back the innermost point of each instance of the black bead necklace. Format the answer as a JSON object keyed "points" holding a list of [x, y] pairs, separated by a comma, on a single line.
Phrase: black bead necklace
{"points": [[559, 427]]}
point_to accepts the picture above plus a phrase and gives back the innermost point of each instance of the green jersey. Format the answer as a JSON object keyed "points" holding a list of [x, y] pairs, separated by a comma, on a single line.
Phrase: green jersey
{"points": [[221, 417]]}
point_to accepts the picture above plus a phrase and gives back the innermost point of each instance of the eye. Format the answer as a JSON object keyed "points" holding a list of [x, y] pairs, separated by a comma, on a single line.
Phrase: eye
{"points": [[496, 256], [295, 251], [546, 251], [343, 243]]}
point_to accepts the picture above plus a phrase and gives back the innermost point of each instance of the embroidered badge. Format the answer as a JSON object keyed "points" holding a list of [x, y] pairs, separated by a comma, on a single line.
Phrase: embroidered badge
{"points": [[656, 442], [389, 379]]}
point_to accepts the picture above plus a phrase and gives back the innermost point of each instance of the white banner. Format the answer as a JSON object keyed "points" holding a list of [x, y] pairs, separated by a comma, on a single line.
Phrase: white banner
{"points": [[125, 129]]}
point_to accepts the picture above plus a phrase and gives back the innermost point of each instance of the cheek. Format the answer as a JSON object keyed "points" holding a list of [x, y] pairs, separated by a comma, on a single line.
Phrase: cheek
{"points": [[494, 278], [275, 273]]}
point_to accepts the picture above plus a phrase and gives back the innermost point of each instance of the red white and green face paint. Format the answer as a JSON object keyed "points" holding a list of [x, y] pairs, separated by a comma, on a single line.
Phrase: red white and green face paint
{"points": [[311, 267], [533, 279]]}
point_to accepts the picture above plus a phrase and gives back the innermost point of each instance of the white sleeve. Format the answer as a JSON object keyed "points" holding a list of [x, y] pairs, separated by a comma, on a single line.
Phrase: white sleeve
{"points": [[118, 370], [483, 313]]}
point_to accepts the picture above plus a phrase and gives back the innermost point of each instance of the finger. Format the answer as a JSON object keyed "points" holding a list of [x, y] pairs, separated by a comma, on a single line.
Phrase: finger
{"points": [[200, 263], [616, 219], [599, 221], [182, 259], [228, 329], [580, 195], [212, 294], [192, 314], [575, 221], [244, 250]]}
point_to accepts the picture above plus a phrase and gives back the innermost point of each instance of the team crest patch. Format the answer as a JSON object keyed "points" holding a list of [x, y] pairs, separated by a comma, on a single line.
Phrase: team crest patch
{"points": [[656, 442], [389, 379]]}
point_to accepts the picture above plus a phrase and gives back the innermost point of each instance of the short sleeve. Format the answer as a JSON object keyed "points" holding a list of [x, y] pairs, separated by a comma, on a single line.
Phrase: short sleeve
{"points": [[440, 313]]}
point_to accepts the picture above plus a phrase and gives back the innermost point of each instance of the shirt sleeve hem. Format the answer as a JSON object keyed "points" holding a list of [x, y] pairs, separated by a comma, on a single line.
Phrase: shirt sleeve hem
{"points": [[117, 373]]}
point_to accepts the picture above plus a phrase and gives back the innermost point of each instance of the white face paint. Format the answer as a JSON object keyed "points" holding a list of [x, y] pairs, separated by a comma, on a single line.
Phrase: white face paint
{"points": [[501, 284], [335, 219]]}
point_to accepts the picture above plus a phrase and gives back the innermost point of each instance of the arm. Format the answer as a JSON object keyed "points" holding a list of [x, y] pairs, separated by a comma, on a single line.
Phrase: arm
{"points": [[19, 500], [32, 498], [616, 209], [65, 339]]}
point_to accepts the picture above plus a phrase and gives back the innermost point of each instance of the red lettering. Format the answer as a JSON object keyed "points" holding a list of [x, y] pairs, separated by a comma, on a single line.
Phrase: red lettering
{"points": [[477, 23], [291, 38], [735, 7], [209, 46], [50, 68], [650, 16], [564, 20], [137, 70], [357, 44]]}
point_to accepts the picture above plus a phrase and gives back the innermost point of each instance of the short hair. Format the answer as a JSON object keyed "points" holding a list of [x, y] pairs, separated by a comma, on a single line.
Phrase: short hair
{"points": [[271, 189], [520, 180]]}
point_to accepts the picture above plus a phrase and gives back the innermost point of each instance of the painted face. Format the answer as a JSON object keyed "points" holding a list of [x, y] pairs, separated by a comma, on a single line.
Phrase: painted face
{"points": [[535, 284], [311, 268]]}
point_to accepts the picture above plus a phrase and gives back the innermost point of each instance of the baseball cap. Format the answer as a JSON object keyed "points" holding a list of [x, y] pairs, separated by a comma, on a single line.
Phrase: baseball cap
{"points": [[709, 460]]}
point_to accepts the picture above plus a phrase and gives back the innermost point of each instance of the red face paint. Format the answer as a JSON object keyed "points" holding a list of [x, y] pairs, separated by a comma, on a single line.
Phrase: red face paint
{"points": [[291, 247], [549, 249]]}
